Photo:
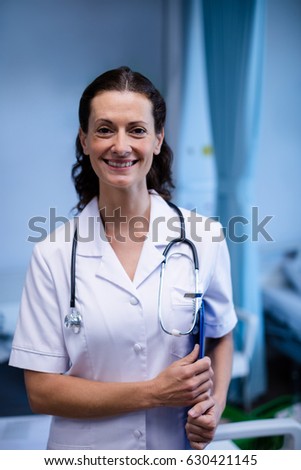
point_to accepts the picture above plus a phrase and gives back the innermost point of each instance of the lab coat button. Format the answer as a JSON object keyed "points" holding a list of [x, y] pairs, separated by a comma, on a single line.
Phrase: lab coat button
{"points": [[137, 347], [137, 433], [134, 301]]}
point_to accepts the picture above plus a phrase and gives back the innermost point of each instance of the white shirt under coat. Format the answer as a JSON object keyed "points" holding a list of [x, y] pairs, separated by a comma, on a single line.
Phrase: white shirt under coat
{"points": [[121, 338]]}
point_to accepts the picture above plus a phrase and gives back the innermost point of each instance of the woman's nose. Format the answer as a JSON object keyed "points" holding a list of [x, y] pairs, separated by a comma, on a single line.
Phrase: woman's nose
{"points": [[121, 145]]}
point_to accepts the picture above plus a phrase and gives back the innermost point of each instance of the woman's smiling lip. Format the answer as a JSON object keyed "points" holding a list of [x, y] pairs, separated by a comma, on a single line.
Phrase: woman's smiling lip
{"points": [[120, 163]]}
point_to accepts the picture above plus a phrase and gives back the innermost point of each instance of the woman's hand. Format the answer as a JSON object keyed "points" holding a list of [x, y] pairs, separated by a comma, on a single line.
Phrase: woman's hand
{"points": [[204, 416], [202, 422], [185, 382]]}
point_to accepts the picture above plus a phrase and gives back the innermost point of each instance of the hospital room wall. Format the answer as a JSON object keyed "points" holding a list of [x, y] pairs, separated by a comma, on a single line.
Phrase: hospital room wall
{"points": [[49, 51]]}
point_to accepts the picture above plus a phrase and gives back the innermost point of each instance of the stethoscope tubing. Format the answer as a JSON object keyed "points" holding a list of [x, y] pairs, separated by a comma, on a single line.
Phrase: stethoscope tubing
{"points": [[73, 269]]}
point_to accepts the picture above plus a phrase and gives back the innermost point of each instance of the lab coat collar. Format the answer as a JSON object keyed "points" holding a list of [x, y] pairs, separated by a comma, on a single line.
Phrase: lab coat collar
{"points": [[92, 241], [162, 229], [164, 221], [91, 235], [164, 226]]}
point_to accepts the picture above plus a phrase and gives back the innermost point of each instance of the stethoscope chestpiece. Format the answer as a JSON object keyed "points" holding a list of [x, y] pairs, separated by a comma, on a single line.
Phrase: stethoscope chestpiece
{"points": [[73, 320]]}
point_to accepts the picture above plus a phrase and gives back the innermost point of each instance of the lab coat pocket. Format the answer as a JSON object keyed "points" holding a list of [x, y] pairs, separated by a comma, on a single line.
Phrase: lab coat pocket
{"points": [[181, 319]]}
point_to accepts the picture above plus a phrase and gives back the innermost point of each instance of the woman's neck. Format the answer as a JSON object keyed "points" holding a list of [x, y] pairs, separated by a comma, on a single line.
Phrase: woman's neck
{"points": [[121, 208]]}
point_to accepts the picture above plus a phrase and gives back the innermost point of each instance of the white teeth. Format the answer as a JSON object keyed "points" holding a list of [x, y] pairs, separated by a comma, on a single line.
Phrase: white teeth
{"points": [[120, 165]]}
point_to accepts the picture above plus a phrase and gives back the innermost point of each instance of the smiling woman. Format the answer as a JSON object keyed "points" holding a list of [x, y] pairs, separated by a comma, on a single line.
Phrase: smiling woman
{"points": [[90, 353], [132, 87]]}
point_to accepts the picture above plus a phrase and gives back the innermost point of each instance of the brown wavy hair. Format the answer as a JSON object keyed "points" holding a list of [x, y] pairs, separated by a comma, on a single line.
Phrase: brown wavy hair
{"points": [[121, 79]]}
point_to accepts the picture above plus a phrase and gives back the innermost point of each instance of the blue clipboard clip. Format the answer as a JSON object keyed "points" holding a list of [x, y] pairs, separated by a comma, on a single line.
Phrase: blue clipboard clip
{"points": [[199, 329]]}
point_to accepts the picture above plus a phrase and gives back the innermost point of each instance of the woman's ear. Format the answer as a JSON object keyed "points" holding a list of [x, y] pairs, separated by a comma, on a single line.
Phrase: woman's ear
{"points": [[160, 138], [83, 140]]}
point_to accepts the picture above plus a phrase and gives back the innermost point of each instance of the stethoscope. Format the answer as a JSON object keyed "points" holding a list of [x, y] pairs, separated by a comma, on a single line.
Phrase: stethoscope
{"points": [[74, 319]]}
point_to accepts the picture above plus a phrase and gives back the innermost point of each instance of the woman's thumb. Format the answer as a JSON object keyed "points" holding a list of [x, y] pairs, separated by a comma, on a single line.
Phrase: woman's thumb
{"points": [[193, 355]]}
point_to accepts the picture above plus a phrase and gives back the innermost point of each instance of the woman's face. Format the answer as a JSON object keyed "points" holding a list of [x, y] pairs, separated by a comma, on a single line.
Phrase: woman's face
{"points": [[121, 139]]}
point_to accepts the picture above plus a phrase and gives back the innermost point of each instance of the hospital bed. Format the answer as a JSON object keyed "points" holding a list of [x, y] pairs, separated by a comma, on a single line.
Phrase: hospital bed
{"points": [[289, 428], [281, 294]]}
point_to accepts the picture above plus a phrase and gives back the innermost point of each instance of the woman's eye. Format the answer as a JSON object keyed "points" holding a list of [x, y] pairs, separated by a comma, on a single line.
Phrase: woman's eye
{"points": [[104, 131], [138, 131]]}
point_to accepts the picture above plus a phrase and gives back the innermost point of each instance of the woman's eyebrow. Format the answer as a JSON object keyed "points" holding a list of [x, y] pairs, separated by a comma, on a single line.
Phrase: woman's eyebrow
{"points": [[107, 121], [138, 123], [132, 123]]}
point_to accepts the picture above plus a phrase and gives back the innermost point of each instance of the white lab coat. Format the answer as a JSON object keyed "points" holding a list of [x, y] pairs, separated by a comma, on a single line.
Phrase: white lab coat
{"points": [[121, 338]]}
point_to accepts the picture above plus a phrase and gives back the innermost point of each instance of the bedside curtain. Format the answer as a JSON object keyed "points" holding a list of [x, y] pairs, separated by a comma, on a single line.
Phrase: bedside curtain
{"points": [[234, 44]]}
